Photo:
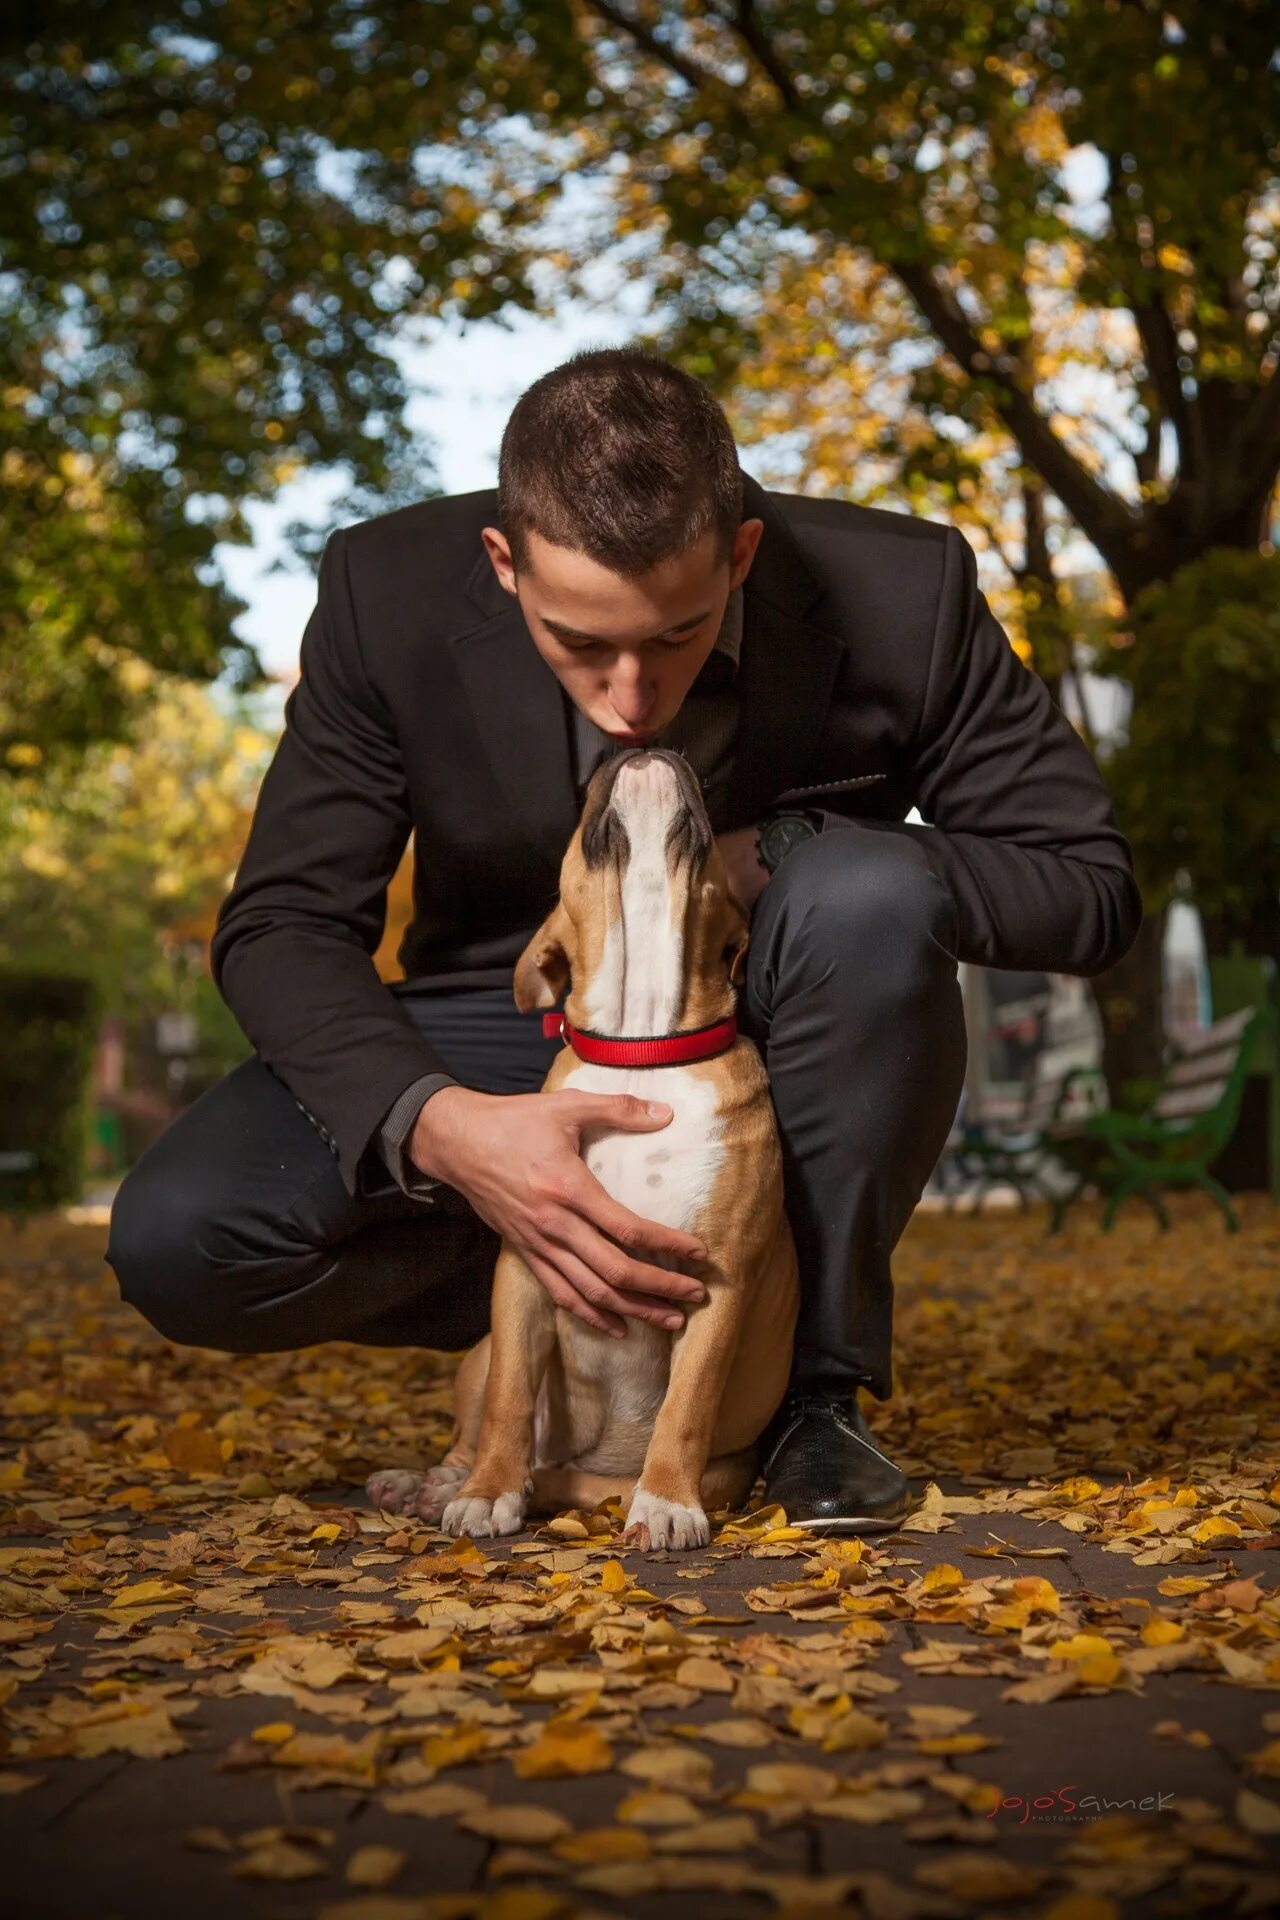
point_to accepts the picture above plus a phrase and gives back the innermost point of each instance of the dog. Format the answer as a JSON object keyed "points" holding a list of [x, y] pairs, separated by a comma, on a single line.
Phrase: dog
{"points": [[551, 1412]]}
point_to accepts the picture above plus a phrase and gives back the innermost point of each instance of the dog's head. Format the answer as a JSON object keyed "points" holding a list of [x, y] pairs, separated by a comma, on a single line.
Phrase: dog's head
{"points": [[642, 875]]}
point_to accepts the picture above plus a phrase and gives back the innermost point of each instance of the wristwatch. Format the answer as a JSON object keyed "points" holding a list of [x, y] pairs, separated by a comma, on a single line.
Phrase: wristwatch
{"points": [[780, 832]]}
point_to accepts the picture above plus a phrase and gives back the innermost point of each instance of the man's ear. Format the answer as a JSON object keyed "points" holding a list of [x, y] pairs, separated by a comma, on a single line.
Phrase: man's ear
{"points": [[737, 939], [542, 971]]}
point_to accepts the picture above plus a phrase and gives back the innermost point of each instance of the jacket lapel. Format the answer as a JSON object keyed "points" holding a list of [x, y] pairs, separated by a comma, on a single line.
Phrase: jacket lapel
{"points": [[786, 674], [787, 667], [523, 716]]}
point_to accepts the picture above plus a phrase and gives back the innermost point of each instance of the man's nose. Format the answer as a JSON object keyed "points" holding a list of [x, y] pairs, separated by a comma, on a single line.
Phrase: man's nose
{"points": [[634, 700]]}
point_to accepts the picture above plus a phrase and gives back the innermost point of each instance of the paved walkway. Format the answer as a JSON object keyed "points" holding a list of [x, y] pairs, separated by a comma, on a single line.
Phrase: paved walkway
{"points": [[229, 1686]]}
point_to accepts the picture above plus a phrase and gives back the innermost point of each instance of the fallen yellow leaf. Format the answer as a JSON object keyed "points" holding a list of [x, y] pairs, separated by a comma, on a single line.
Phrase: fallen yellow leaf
{"points": [[517, 1825], [280, 1860], [374, 1866], [564, 1747], [596, 1845], [681, 1767]]}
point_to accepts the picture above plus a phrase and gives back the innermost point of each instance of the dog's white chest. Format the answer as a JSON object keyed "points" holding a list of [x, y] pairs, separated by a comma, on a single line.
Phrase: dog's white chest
{"points": [[667, 1173]]}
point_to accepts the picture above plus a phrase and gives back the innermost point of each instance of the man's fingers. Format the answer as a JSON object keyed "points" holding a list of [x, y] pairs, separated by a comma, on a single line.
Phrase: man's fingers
{"points": [[626, 1275], [570, 1299], [584, 1280]]}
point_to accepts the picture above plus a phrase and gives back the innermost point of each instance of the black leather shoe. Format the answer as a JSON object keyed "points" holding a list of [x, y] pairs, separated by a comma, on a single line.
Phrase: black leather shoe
{"points": [[823, 1466]]}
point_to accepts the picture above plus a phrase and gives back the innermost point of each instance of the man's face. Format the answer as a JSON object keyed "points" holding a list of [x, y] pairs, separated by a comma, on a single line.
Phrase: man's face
{"points": [[625, 651]]}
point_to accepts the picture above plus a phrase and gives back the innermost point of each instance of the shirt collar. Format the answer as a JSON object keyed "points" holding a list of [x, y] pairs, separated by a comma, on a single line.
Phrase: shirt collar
{"points": [[729, 639]]}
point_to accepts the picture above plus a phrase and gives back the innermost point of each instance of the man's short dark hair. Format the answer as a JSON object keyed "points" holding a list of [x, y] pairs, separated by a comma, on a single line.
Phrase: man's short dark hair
{"points": [[619, 455]]}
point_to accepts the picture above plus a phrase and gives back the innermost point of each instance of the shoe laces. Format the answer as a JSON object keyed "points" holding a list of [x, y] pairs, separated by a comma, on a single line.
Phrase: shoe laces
{"points": [[813, 1399]]}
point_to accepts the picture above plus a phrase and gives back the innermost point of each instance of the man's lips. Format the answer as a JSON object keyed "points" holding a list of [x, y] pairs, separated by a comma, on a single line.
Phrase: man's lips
{"points": [[646, 733]]}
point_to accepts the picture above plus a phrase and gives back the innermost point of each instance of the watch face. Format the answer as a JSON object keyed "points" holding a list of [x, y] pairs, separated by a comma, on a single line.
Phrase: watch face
{"points": [[779, 836]]}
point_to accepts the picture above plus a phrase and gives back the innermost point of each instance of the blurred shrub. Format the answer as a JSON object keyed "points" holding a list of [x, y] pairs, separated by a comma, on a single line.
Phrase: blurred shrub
{"points": [[1195, 783], [48, 1023]]}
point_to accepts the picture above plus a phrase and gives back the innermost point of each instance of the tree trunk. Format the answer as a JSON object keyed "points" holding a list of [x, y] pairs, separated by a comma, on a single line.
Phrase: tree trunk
{"points": [[1258, 931], [1129, 998]]}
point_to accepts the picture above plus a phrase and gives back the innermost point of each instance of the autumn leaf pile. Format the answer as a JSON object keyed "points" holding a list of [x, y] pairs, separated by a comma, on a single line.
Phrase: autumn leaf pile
{"points": [[776, 1723]]}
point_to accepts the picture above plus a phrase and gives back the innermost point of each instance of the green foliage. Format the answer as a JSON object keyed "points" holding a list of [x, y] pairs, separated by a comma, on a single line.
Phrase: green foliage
{"points": [[223, 217], [114, 868], [945, 146], [222, 1043], [1196, 781], [196, 296], [49, 1023]]}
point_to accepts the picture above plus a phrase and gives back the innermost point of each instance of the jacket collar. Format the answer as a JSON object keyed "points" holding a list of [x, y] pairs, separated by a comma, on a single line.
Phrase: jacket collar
{"points": [[786, 674]]}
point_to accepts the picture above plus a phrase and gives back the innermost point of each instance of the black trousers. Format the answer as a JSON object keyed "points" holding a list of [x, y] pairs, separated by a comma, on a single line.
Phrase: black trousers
{"points": [[234, 1229]]}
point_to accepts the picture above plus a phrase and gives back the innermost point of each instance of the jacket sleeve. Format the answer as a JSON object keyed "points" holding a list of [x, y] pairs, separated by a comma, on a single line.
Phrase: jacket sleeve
{"points": [[1021, 823], [393, 1137], [292, 948]]}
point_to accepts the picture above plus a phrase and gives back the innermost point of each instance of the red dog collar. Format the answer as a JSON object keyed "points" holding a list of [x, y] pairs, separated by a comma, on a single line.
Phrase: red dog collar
{"points": [[663, 1050]]}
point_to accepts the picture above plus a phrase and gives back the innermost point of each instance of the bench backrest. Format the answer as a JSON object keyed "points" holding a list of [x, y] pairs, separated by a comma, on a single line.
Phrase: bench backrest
{"points": [[1044, 1101], [1205, 1077], [1068, 1093]]}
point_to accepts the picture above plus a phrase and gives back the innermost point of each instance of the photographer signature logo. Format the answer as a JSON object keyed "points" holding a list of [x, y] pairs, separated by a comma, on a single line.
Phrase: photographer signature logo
{"points": [[1069, 1803]]}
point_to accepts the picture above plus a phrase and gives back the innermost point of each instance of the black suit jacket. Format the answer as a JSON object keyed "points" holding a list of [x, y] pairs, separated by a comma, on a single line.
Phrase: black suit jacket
{"points": [[873, 678]]}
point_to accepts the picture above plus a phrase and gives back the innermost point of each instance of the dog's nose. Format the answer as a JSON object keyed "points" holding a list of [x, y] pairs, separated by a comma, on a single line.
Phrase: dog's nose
{"points": [[651, 779], [659, 781]]}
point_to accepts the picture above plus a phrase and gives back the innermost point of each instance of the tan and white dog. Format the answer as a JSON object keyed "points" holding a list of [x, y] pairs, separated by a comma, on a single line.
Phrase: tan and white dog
{"points": [[551, 1412]]}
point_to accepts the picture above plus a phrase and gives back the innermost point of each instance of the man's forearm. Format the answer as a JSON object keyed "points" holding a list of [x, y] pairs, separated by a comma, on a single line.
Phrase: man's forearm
{"points": [[1057, 913]]}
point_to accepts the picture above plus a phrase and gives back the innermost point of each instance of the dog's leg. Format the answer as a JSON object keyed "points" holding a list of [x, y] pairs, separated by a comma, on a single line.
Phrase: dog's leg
{"points": [[493, 1497], [399, 1490], [666, 1508]]}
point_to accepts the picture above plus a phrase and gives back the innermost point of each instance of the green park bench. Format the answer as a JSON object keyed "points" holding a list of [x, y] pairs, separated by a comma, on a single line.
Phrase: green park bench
{"points": [[996, 1147], [1183, 1131]]}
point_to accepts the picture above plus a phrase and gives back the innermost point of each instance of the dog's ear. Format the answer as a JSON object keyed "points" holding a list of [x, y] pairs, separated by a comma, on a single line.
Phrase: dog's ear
{"points": [[542, 971], [736, 941]]}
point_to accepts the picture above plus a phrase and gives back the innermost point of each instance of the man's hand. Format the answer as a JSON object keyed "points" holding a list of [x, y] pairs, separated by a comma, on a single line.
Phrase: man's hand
{"points": [[748, 875], [516, 1158]]}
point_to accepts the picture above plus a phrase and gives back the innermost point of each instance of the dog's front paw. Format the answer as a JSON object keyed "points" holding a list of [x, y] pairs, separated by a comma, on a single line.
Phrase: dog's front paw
{"points": [[484, 1519], [394, 1489], [653, 1522]]}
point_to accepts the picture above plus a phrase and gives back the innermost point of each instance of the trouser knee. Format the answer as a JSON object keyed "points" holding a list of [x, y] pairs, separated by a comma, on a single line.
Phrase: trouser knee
{"points": [[861, 901], [155, 1249]]}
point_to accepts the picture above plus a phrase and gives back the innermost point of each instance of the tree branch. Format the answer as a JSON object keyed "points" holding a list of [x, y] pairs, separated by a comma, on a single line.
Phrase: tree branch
{"points": [[687, 70], [1159, 342], [1103, 516], [748, 25], [1260, 440]]}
